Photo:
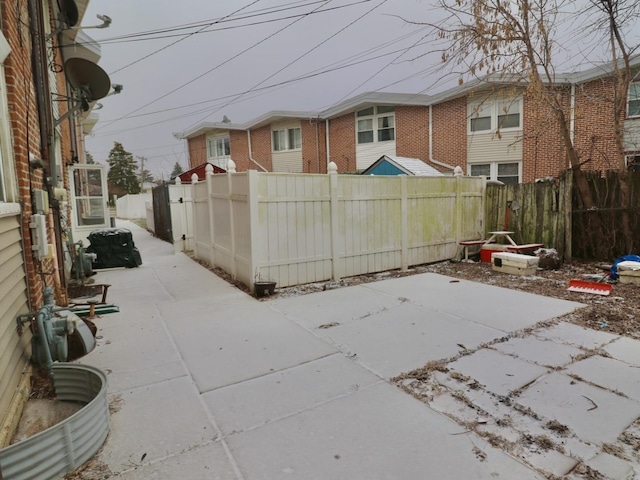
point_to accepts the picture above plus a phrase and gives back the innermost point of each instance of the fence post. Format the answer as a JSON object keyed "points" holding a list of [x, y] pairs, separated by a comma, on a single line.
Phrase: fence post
{"points": [[194, 181], [404, 230], [568, 215], [332, 171], [210, 217], [231, 168], [458, 206], [254, 229]]}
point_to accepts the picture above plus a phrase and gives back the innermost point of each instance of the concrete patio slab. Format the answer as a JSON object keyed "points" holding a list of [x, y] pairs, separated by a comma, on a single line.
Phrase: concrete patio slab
{"points": [[221, 350], [625, 349], [207, 462], [613, 468], [253, 403], [154, 422], [500, 374], [503, 309], [360, 437], [593, 414], [208, 382], [609, 373], [405, 337], [576, 335], [316, 309], [541, 352]]}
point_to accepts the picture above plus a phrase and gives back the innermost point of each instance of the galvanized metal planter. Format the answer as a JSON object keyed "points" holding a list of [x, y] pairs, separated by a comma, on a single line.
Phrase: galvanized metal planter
{"points": [[54, 452]]}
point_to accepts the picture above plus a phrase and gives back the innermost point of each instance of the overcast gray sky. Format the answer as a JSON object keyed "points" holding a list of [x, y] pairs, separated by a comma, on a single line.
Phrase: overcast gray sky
{"points": [[173, 80]]}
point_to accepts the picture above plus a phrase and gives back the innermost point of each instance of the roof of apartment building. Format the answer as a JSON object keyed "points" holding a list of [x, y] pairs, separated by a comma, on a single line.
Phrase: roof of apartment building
{"points": [[368, 99]]}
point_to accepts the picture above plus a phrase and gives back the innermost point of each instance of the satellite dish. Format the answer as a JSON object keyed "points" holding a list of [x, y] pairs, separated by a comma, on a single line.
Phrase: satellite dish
{"points": [[89, 78], [69, 12]]}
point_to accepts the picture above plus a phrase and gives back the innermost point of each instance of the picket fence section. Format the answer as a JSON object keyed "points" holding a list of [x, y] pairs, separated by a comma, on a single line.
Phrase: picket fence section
{"points": [[303, 228]]}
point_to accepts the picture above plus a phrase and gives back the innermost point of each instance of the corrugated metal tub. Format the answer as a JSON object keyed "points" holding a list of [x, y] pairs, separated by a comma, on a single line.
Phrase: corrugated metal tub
{"points": [[52, 453]]}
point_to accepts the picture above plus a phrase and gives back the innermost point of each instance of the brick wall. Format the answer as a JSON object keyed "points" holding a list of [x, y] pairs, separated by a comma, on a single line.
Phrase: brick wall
{"points": [[239, 147], [25, 127], [261, 146], [450, 133], [543, 150], [197, 151], [594, 132], [314, 146], [412, 132], [342, 142]]}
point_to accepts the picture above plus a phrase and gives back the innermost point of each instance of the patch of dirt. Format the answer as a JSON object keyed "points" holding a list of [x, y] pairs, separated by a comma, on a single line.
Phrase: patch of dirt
{"points": [[41, 385]]}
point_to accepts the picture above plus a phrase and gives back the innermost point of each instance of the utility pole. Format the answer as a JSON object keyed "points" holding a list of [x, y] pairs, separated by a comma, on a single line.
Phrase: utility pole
{"points": [[142, 160]]}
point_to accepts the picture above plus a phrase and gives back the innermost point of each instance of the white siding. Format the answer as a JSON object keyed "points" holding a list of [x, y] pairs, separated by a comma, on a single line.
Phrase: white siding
{"points": [[367, 153], [486, 147], [14, 351], [289, 161]]}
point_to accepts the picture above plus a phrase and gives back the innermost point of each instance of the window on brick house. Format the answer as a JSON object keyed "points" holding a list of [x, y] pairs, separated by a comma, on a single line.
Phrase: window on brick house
{"points": [[218, 147], [490, 116], [6, 160], [376, 124], [633, 106], [504, 172], [633, 162], [286, 139]]}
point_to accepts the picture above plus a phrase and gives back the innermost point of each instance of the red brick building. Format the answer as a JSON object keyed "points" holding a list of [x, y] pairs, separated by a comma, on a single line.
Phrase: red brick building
{"points": [[40, 136], [489, 129]]}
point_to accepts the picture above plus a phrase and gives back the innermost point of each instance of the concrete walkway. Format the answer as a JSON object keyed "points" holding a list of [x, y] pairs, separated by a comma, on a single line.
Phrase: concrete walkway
{"points": [[206, 382]]}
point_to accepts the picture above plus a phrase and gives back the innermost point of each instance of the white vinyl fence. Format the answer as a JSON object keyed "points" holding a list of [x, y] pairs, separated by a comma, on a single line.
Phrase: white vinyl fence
{"points": [[302, 228], [132, 206], [181, 207]]}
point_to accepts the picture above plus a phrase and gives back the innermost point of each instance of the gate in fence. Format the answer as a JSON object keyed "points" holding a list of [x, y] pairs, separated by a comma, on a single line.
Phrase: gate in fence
{"points": [[162, 213]]}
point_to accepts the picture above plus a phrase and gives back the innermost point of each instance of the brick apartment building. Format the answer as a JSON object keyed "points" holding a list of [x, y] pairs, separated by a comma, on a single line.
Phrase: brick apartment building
{"points": [[42, 122], [458, 127]]}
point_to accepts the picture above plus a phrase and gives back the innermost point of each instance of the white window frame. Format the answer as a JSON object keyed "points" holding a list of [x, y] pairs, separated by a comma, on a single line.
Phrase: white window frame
{"points": [[494, 169], [8, 190], [494, 109], [374, 122], [288, 139], [214, 144], [633, 96]]}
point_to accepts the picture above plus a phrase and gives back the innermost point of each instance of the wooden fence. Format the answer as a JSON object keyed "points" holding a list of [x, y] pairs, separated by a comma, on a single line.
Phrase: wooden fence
{"points": [[551, 213], [606, 242], [535, 212], [302, 228]]}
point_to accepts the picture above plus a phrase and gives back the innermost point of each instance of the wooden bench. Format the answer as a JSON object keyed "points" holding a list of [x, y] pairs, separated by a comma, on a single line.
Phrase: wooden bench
{"points": [[524, 248], [469, 243]]}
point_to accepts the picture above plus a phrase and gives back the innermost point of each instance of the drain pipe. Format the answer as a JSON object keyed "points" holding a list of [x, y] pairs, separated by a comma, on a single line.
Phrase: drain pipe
{"points": [[326, 135], [250, 152], [431, 159]]}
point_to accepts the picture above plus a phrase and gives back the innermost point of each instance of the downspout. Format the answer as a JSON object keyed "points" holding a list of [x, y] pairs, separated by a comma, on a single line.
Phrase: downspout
{"points": [[326, 135], [317, 143], [251, 155], [431, 159]]}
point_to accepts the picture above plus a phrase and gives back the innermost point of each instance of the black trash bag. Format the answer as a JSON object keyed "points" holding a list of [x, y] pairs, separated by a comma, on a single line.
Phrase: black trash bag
{"points": [[114, 247]]}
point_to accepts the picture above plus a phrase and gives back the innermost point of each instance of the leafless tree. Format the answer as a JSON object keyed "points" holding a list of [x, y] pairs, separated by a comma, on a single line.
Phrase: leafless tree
{"points": [[516, 41]]}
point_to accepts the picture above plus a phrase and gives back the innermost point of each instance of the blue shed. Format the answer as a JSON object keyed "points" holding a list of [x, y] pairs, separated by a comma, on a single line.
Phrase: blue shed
{"points": [[392, 165]]}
